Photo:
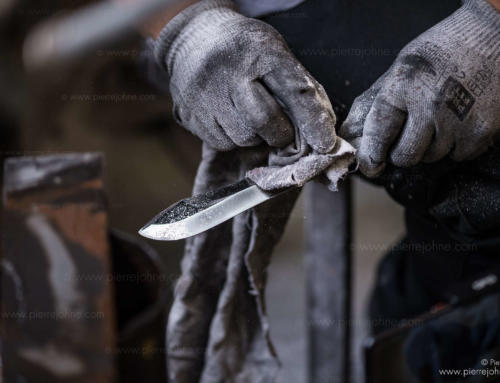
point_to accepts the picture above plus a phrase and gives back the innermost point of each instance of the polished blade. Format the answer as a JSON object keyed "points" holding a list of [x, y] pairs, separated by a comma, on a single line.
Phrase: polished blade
{"points": [[197, 214]]}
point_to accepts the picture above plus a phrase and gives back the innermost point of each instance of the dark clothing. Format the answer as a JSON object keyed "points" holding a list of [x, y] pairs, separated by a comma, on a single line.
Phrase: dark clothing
{"points": [[431, 353], [347, 44], [453, 224], [452, 209]]}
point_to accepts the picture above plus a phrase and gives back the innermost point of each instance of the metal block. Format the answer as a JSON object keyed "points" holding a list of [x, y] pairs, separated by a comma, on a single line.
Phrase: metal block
{"points": [[328, 282], [57, 312]]}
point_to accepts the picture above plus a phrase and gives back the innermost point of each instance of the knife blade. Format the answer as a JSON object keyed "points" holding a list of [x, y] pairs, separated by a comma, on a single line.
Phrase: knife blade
{"points": [[202, 212]]}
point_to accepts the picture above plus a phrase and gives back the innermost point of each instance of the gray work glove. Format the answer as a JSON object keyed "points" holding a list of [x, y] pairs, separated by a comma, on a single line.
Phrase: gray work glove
{"points": [[440, 97], [235, 83]]}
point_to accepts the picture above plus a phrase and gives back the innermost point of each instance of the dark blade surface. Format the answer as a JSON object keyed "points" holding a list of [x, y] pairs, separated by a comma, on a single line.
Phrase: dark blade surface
{"points": [[199, 213]]}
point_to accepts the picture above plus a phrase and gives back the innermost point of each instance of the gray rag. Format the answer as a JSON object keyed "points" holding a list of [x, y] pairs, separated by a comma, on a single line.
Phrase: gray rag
{"points": [[297, 164], [218, 330]]}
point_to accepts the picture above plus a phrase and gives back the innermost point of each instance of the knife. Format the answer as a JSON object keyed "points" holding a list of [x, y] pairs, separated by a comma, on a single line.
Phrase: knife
{"points": [[199, 213]]}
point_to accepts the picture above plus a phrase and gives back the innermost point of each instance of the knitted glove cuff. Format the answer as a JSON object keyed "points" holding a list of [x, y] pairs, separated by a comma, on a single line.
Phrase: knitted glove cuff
{"points": [[477, 24], [485, 10], [166, 38]]}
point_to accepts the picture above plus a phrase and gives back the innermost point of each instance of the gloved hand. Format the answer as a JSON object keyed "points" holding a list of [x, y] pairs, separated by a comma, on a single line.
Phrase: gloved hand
{"points": [[234, 82], [440, 97]]}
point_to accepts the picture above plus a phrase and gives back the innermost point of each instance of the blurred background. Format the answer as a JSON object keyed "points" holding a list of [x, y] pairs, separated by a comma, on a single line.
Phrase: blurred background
{"points": [[102, 103]]}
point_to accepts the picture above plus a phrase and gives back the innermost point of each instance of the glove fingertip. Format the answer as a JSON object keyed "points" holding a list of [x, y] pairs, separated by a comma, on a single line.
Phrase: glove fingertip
{"points": [[324, 144], [350, 130], [321, 136], [369, 168], [217, 139], [371, 157]]}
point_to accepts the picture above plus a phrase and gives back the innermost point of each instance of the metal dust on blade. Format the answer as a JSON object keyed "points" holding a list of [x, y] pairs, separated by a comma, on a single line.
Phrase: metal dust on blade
{"points": [[197, 214]]}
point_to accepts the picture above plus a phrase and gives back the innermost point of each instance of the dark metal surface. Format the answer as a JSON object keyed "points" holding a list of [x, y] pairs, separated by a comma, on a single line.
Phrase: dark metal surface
{"points": [[328, 280], [58, 321], [142, 295], [192, 205], [197, 214]]}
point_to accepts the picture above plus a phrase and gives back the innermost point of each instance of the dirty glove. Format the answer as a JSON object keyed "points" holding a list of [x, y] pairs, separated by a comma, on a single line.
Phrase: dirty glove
{"points": [[440, 97], [234, 82]]}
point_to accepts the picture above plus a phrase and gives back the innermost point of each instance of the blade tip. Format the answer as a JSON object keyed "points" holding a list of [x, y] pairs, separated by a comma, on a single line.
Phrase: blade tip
{"points": [[143, 231], [158, 233]]}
